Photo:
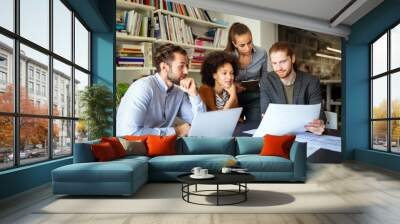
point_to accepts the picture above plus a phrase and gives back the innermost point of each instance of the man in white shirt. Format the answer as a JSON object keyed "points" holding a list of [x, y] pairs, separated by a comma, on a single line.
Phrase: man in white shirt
{"points": [[151, 104]]}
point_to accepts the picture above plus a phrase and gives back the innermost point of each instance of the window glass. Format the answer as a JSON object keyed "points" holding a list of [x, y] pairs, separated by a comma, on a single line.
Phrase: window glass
{"points": [[395, 95], [395, 136], [39, 62], [62, 138], [81, 45], [7, 14], [379, 56], [81, 82], [35, 21], [6, 142], [62, 29], [62, 91], [379, 133], [6, 74], [33, 139], [395, 47], [81, 131], [379, 97]]}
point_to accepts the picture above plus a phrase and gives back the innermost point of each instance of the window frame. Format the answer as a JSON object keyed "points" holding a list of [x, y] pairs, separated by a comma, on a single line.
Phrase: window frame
{"points": [[388, 74], [15, 68]]}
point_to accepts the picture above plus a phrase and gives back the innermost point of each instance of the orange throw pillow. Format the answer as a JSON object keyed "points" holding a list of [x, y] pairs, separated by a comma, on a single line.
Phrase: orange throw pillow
{"points": [[116, 145], [161, 145], [277, 145], [136, 137], [103, 151]]}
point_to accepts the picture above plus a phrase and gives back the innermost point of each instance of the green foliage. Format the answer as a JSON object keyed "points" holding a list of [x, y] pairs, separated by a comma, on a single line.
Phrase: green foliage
{"points": [[121, 90], [96, 102]]}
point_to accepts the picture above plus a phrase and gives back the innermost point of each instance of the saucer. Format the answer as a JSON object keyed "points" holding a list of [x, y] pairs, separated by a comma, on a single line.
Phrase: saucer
{"points": [[208, 176]]}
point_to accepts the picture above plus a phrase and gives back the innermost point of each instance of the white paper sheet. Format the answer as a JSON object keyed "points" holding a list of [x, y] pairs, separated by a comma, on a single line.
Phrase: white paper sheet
{"points": [[331, 120], [282, 119], [250, 132], [315, 142]]}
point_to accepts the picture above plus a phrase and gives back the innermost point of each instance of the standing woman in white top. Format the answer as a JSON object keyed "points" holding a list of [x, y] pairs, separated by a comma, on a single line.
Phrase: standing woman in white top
{"points": [[252, 61]]}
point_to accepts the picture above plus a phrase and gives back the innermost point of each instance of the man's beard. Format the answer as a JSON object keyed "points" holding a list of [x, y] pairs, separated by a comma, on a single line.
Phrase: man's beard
{"points": [[288, 72], [171, 78]]}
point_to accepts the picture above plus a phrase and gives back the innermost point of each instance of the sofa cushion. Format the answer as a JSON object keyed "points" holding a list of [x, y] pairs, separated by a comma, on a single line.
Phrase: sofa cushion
{"points": [[116, 145], [161, 145], [205, 145], [134, 147], [129, 159], [257, 163], [103, 152], [111, 171], [136, 137], [277, 145], [185, 163], [248, 145]]}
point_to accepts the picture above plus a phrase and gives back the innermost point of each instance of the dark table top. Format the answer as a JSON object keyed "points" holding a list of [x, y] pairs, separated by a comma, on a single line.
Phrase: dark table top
{"points": [[220, 178]]}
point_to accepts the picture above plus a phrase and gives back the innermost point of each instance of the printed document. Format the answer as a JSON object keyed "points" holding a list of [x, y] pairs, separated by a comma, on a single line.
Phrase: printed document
{"points": [[283, 119]]}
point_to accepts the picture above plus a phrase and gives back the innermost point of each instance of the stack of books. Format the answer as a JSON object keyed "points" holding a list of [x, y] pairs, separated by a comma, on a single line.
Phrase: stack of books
{"points": [[130, 55], [197, 58]]}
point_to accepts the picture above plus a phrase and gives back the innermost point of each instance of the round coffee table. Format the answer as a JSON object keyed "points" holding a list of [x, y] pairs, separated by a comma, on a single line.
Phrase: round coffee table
{"points": [[238, 179]]}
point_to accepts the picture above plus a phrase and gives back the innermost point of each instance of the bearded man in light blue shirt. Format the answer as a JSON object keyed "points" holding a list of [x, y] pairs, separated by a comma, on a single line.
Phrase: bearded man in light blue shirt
{"points": [[151, 104]]}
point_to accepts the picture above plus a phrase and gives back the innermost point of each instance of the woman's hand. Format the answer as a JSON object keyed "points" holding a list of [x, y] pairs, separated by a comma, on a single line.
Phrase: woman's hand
{"points": [[233, 100], [231, 90]]}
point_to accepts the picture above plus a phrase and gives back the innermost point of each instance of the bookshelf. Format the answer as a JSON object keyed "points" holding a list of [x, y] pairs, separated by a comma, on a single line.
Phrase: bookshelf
{"points": [[181, 16], [128, 38], [192, 20], [160, 41], [149, 69], [121, 5]]}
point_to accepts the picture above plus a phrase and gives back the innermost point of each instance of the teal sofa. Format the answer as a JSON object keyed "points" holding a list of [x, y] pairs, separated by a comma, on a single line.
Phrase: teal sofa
{"points": [[125, 176]]}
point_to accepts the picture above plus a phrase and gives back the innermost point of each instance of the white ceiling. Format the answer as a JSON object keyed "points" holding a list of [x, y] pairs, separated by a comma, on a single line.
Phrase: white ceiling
{"points": [[319, 9], [314, 15]]}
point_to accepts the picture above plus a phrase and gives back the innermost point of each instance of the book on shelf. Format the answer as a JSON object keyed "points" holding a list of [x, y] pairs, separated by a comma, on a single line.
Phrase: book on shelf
{"points": [[167, 27], [130, 55], [148, 54], [203, 42], [221, 38], [181, 9], [196, 58], [133, 23]]}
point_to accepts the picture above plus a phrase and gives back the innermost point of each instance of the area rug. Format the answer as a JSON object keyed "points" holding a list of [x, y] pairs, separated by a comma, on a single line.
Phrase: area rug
{"points": [[167, 198]]}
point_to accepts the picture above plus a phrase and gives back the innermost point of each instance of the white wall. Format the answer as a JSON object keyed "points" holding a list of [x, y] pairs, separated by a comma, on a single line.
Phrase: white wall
{"points": [[269, 35]]}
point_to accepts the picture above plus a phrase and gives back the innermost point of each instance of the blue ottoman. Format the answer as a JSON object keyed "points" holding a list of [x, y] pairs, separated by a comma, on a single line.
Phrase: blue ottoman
{"points": [[118, 177]]}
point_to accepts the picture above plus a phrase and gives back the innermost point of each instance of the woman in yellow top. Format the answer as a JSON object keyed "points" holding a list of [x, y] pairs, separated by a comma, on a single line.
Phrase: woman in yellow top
{"points": [[218, 74]]}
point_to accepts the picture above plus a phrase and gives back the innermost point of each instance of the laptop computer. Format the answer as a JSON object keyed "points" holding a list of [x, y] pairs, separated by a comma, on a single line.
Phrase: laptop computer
{"points": [[219, 123]]}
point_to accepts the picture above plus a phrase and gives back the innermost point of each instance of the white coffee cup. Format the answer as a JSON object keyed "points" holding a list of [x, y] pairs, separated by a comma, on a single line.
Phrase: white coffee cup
{"points": [[196, 171], [226, 170], [203, 172]]}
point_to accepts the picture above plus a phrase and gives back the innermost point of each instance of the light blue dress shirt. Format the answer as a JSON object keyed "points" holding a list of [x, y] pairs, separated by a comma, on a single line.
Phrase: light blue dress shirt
{"points": [[150, 108]]}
